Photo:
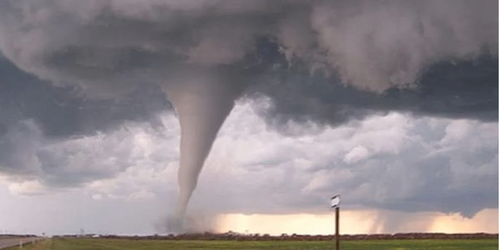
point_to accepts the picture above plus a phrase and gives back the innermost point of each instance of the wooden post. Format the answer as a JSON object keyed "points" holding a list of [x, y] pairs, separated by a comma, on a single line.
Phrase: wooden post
{"points": [[337, 217], [335, 203]]}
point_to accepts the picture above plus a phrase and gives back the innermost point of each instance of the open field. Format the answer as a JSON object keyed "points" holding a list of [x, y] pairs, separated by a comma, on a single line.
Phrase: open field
{"points": [[40, 245], [128, 244]]}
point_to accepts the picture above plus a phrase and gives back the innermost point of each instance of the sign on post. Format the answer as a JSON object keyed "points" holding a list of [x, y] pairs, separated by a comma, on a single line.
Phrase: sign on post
{"points": [[335, 201], [335, 204]]}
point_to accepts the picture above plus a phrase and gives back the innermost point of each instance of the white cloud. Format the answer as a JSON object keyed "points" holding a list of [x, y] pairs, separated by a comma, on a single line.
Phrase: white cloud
{"points": [[456, 131], [390, 161], [140, 195], [97, 196], [302, 171], [28, 187], [356, 154]]}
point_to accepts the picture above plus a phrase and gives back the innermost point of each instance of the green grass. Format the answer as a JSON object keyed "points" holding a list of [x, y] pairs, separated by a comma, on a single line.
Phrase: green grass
{"points": [[116, 244]]}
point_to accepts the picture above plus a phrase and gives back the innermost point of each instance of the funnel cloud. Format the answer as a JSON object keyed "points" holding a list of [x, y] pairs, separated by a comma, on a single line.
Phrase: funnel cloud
{"points": [[202, 102]]}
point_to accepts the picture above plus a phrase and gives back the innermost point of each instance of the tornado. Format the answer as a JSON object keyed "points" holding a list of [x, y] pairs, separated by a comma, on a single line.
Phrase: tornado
{"points": [[202, 102]]}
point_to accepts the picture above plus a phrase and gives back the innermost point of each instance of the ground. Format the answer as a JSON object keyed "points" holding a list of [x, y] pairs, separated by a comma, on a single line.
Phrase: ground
{"points": [[127, 244]]}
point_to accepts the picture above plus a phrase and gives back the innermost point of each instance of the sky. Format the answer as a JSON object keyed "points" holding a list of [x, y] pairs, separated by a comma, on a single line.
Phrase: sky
{"points": [[391, 171], [393, 105]]}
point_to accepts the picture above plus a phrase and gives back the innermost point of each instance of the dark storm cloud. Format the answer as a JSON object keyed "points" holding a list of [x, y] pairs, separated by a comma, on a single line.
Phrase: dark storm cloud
{"points": [[35, 114], [320, 62], [466, 89], [110, 45], [64, 112]]}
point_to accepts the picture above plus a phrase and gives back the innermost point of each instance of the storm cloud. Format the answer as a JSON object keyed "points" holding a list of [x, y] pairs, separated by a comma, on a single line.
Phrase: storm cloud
{"points": [[459, 90], [77, 72], [323, 61]]}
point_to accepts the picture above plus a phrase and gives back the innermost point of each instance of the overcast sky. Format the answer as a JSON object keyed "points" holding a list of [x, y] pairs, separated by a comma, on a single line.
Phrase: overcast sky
{"points": [[392, 104], [127, 178]]}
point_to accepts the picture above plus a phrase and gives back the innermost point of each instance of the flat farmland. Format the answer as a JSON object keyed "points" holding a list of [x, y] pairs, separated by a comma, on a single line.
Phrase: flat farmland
{"points": [[130, 244]]}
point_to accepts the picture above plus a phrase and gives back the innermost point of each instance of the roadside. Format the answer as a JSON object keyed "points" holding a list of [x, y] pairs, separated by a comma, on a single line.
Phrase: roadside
{"points": [[27, 243]]}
